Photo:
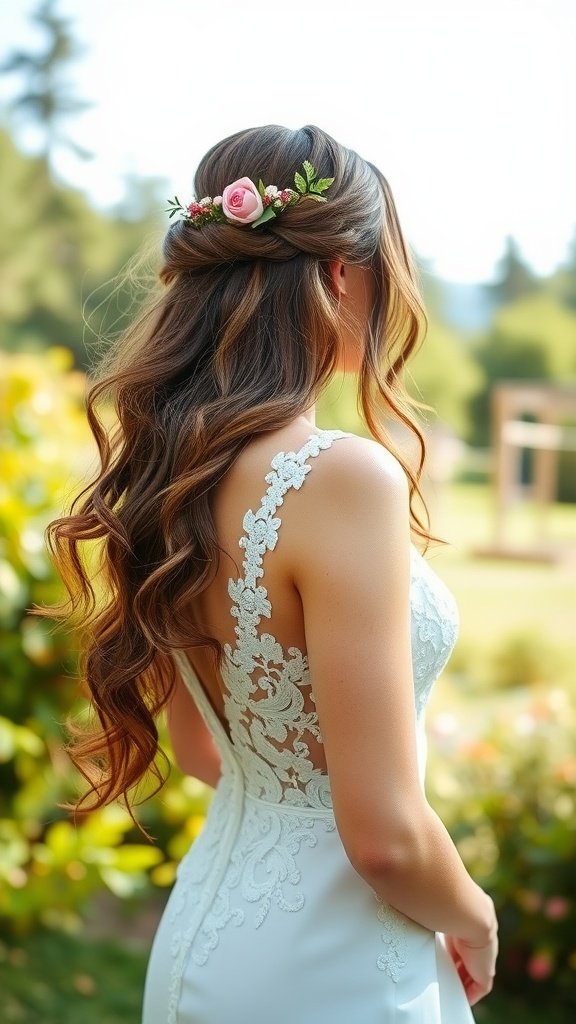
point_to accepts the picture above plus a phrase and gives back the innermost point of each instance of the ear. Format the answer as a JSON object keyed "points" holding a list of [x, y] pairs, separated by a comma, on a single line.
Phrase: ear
{"points": [[338, 277]]}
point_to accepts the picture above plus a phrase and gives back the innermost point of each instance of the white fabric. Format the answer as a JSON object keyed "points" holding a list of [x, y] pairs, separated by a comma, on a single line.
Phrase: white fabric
{"points": [[268, 923]]}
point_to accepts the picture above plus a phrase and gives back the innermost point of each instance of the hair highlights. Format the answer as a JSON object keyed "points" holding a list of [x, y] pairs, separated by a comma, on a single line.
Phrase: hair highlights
{"points": [[242, 340]]}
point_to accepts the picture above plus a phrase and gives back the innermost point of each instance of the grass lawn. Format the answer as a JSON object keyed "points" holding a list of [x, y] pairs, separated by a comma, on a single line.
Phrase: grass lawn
{"points": [[498, 597], [50, 978]]}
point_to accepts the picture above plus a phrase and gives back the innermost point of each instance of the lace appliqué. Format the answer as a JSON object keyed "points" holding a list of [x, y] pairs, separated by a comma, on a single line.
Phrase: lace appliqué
{"points": [[435, 625], [261, 864], [264, 857], [395, 956], [269, 704]]}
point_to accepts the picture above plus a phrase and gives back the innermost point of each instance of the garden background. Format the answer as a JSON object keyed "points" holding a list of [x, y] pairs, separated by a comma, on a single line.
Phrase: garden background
{"points": [[78, 904]]}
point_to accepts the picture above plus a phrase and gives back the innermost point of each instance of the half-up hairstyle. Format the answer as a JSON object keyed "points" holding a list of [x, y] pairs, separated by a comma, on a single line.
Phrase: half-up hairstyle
{"points": [[243, 338]]}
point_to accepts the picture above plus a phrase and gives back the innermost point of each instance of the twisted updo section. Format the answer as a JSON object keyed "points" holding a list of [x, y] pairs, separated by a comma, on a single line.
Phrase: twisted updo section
{"points": [[348, 223], [243, 338]]}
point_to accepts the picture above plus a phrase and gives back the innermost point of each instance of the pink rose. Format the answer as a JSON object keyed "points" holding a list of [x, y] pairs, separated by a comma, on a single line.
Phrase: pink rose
{"points": [[241, 201]]}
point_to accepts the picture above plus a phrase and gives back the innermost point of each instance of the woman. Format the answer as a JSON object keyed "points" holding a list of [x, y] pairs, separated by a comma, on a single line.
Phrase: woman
{"points": [[323, 887]]}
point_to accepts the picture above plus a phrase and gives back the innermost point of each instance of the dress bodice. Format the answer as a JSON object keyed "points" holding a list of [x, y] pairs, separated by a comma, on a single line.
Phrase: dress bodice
{"points": [[268, 698]]}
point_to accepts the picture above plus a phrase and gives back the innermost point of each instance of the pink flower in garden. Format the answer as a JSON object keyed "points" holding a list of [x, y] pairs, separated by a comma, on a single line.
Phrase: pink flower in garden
{"points": [[556, 908], [540, 966], [241, 201]]}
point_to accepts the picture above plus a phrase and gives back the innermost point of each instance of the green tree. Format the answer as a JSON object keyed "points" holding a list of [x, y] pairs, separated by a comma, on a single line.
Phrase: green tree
{"points": [[563, 281], [60, 260], [46, 98], [532, 338], [514, 276]]}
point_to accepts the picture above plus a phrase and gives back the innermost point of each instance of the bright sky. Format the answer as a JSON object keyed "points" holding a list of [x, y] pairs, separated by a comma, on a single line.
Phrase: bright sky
{"points": [[468, 107]]}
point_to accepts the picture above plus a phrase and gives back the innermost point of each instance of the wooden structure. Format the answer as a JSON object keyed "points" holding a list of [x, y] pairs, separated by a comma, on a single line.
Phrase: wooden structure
{"points": [[549, 404]]}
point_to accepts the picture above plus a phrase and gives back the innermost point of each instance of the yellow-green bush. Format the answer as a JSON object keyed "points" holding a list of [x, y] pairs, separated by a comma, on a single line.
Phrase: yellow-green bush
{"points": [[49, 867]]}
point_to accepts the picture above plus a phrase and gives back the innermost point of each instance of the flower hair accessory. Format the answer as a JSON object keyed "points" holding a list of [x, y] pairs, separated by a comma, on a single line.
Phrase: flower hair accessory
{"points": [[243, 202]]}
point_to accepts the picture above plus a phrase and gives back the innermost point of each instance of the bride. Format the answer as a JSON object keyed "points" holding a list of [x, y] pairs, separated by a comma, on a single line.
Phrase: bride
{"points": [[261, 584]]}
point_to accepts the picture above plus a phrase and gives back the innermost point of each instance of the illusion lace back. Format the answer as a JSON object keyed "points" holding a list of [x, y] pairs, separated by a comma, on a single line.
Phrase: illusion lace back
{"points": [[267, 919]]}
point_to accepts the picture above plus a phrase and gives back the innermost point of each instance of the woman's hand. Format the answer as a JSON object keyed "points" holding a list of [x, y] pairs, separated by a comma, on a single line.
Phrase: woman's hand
{"points": [[476, 965]]}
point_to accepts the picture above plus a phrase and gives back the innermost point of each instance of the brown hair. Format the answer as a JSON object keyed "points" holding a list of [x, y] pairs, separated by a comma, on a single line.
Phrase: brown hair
{"points": [[242, 340]]}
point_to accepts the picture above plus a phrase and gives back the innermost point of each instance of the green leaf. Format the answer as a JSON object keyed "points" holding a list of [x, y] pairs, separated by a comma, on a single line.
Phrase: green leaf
{"points": [[309, 171], [316, 198], [174, 205], [300, 183], [261, 187], [322, 184], [268, 214]]}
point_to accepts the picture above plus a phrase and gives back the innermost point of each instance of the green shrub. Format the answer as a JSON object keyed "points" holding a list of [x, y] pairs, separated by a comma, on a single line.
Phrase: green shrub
{"points": [[502, 775], [49, 868]]}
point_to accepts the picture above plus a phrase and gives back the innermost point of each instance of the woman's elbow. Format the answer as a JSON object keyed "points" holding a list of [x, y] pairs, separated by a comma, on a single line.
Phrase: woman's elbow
{"points": [[385, 853]]}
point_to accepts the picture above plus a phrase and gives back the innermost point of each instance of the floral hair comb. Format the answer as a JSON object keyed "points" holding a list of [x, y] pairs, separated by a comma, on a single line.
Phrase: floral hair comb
{"points": [[243, 202]]}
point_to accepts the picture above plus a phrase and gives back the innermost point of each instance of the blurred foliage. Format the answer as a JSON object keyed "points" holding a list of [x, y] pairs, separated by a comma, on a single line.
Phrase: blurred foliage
{"points": [[514, 278], [46, 98], [502, 774], [49, 978], [61, 260], [531, 338], [49, 868]]}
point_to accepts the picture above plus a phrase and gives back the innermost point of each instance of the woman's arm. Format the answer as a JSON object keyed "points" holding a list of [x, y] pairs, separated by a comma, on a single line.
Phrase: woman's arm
{"points": [[194, 749], [352, 570]]}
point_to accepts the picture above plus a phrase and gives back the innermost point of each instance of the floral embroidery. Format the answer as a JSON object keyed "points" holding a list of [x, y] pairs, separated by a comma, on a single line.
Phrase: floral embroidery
{"points": [[268, 699], [394, 957], [435, 624]]}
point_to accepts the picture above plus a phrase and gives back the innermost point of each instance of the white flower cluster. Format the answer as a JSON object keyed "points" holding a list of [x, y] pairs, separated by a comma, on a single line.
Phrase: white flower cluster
{"points": [[272, 191]]}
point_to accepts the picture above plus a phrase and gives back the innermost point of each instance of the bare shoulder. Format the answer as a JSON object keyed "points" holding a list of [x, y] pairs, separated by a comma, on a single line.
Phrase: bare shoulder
{"points": [[356, 496], [355, 471]]}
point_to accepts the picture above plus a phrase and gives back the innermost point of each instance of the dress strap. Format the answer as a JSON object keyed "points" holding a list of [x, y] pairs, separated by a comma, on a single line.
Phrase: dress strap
{"points": [[288, 469]]}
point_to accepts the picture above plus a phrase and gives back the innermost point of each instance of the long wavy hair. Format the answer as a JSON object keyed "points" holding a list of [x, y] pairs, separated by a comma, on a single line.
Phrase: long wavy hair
{"points": [[242, 339]]}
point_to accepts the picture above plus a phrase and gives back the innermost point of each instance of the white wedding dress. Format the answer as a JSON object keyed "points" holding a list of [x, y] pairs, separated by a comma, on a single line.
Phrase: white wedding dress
{"points": [[268, 922]]}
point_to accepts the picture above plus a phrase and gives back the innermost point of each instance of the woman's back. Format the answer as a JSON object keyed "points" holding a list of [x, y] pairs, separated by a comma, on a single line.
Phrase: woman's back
{"points": [[242, 489]]}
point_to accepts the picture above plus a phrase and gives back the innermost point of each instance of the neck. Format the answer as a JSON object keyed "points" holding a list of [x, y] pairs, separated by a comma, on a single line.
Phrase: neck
{"points": [[310, 415]]}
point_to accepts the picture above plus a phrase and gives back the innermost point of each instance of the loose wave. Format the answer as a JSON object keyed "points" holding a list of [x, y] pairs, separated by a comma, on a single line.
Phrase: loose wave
{"points": [[243, 338]]}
